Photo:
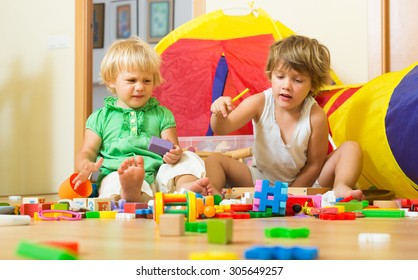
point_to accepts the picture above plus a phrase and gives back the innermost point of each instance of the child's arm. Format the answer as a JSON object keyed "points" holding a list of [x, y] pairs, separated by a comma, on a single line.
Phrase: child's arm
{"points": [[85, 160], [174, 155], [317, 149], [226, 118]]}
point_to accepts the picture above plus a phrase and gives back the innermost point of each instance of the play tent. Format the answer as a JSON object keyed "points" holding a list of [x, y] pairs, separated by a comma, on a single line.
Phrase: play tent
{"points": [[215, 55], [382, 116]]}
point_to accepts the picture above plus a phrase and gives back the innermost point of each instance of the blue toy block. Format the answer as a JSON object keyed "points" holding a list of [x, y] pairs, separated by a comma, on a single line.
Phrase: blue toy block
{"points": [[159, 146], [281, 253], [274, 197]]}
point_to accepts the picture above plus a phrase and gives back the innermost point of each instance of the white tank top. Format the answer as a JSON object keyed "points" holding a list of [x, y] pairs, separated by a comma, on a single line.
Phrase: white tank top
{"points": [[275, 159]]}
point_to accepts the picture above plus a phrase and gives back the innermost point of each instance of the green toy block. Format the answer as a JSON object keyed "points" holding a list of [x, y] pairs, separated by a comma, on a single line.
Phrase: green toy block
{"points": [[220, 231], [375, 213], [43, 252], [351, 206], [93, 215], [281, 232]]}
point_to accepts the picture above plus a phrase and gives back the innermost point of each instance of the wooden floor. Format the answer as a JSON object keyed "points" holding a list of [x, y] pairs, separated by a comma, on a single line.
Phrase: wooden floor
{"points": [[102, 239]]}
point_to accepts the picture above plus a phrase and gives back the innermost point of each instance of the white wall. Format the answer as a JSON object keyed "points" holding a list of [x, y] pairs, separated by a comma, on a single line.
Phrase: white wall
{"points": [[340, 25], [36, 95]]}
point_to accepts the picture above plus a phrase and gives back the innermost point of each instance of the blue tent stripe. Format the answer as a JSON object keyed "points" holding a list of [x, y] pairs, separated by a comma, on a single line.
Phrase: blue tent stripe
{"points": [[402, 124], [218, 84]]}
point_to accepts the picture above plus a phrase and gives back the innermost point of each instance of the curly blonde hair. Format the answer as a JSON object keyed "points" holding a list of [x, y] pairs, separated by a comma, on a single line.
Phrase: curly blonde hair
{"points": [[304, 55], [130, 54]]}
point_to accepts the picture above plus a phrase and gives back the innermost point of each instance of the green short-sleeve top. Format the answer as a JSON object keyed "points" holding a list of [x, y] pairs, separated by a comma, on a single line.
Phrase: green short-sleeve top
{"points": [[127, 132]]}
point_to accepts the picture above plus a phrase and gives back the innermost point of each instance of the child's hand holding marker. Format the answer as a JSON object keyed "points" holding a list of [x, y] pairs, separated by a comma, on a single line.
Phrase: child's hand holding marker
{"points": [[223, 105]]}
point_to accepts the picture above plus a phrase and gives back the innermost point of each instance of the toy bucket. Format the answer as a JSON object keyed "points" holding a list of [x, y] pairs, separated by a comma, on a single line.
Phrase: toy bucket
{"points": [[66, 190]]}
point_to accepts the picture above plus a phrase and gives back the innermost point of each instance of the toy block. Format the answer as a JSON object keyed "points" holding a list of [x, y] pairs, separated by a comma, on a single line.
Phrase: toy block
{"points": [[130, 207], [281, 253], [43, 252], [60, 206], [325, 210], [282, 232], [274, 197], [80, 203], [29, 209], [107, 214], [200, 227], [238, 192], [172, 225], [351, 206], [383, 213], [213, 255], [233, 215], [160, 146], [93, 215], [68, 245], [307, 190], [99, 204], [241, 207], [125, 216], [338, 216], [220, 231]]}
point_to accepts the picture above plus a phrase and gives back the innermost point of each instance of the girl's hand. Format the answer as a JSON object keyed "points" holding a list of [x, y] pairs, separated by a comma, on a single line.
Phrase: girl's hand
{"points": [[85, 173], [222, 106], [173, 156]]}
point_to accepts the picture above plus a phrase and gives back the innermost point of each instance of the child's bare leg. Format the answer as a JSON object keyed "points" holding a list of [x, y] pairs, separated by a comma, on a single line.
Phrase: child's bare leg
{"points": [[131, 176], [342, 171], [222, 170], [192, 183]]}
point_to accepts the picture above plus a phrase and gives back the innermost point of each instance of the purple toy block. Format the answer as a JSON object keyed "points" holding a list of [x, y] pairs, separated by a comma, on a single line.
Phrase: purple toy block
{"points": [[159, 146]]}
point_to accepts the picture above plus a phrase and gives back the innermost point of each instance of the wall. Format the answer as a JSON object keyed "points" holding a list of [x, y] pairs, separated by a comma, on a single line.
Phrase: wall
{"points": [[36, 95], [340, 25], [183, 12]]}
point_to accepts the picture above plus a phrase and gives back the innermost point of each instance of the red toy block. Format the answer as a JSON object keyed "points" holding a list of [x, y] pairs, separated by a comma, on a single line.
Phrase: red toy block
{"points": [[131, 207], [339, 216], [241, 207]]}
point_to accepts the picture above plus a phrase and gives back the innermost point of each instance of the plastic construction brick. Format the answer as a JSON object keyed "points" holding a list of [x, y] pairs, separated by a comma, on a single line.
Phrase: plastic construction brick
{"points": [[274, 197], [232, 215], [201, 227], [281, 232], [338, 216], [388, 213], [43, 252], [159, 146], [351, 206], [213, 255], [281, 253]]}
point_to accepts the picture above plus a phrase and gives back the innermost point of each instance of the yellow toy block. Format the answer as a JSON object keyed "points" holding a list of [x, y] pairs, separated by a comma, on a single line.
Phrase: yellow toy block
{"points": [[213, 255]]}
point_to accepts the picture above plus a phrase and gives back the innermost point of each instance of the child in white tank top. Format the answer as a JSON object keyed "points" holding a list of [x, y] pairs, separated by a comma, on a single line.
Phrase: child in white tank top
{"points": [[290, 128]]}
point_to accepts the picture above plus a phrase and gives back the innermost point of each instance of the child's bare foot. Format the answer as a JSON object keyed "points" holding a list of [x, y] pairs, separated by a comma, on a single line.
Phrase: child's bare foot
{"points": [[346, 191], [131, 176], [201, 186]]}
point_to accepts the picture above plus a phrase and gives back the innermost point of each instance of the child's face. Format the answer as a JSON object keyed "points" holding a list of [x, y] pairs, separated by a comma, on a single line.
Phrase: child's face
{"points": [[290, 88], [133, 88]]}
